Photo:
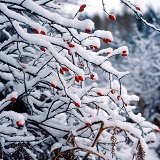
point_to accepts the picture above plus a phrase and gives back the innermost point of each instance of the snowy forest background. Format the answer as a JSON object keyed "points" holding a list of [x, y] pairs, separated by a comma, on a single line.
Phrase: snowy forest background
{"points": [[143, 63]]}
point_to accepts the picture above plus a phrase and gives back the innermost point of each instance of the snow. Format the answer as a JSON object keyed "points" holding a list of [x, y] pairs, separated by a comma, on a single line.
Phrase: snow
{"points": [[63, 108]]}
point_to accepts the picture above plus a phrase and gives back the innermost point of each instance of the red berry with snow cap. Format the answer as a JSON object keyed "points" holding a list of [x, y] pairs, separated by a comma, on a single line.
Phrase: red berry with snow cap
{"points": [[18, 123], [124, 53], [87, 30], [107, 40]]}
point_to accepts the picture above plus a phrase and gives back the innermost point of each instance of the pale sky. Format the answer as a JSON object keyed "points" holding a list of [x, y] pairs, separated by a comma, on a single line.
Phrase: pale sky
{"points": [[115, 5]]}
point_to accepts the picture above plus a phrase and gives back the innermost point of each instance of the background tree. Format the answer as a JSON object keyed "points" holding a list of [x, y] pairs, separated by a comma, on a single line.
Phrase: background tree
{"points": [[50, 106]]}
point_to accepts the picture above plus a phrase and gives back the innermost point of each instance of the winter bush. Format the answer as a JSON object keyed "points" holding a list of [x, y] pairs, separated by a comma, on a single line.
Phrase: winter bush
{"points": [[51, 106]]}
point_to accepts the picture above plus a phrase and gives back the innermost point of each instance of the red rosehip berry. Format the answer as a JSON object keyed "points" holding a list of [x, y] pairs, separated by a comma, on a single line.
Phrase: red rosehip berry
{"points": [[12, 99], [92, 76], [156, 130], [65, 69], [76, 104], [137, 8], [87, 30], [18, 123], [93, 47], [69, 52], [42, 49], [88, 124], [118, 97], [113, 91], [99, 93], [80, 78], [53, 85], [107, 40], [152, 141], [24, 67], [112, 17], [81, 10], [123, 54], [97, 107], [71, 45], [76, 78], [43, 32], [61, 71], [35, 31], [108, 53], [83, 6], [125, 104]]}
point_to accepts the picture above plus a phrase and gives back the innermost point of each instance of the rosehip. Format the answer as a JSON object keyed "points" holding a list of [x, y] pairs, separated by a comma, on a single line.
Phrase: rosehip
{"points": [[81, 10], [107, 40], [43, 32], [88, 124], [24, 67], [53, 85], [118, 97], [156, 130], [71, 45], [99, 93], [80, 78], [18, 123], [87, 30], [112, 17], [65, 69], [137, 8], [125, 104], [92, 76], [108, 52], [152, 141], [61, 71], [42, 49], [69, 52], [113, 91], [83, 6], [12, 99], [35, 31], [97, 107], [76, 104], [93, 47], [77, 78], [123, 54]]}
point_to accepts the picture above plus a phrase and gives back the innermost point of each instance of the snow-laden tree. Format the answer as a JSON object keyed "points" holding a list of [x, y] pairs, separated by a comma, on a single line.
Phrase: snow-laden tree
{"points": [[51, 106]]}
